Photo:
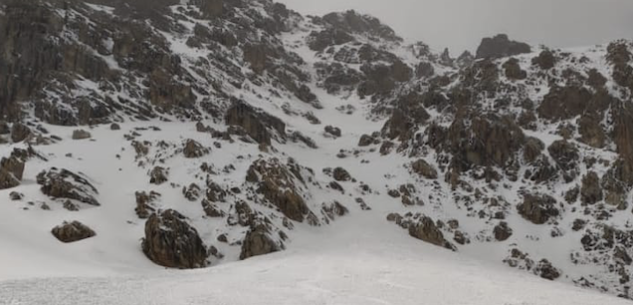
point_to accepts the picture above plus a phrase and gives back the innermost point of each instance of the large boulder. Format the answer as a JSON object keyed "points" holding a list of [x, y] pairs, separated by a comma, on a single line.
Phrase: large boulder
{"points": [[276, 182], [19, 132], [566, 156], [259, 241], [477, 140], [319, 41], [81, 134], [353, 22], [74, 231], [340, 174], [171, 242], [158, 175], [255, 122], [210, 8], [426, 230], [192, 149], [64, 184], [538, 208], [501, 46], [11, 172], [502, 231], [591, 191], [145, 204], [424, 169]]}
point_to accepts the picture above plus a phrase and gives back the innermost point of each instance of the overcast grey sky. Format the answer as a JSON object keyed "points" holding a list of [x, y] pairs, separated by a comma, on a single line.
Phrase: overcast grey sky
{"points": [[460, 24]]}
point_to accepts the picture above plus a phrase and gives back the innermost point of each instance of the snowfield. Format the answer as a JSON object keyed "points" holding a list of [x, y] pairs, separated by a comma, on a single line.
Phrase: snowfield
{"points": [[356, 257], [349, 263]]}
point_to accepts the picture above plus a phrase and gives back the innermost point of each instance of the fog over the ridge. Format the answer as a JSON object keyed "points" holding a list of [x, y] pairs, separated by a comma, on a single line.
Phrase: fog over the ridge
{"points": [[460, 24]]}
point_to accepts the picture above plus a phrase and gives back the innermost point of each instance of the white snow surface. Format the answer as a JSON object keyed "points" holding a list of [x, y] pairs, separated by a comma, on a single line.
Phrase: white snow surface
{"points": [[351, 262], [357, 259]]}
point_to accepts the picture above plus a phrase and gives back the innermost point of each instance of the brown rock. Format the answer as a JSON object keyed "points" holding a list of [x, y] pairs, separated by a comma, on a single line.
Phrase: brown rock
{"points": [[341, 175], [545, 60], [564, 103], [275, 181], [72, 232], [334, 131], [15, 196], [365, 140], [68, 185], [14, 166], [192, 192], [170, 242], [424, 169], [145, 204], [427, 231], [565, 154], [7, 180], [255, 122], [500, 46], [159, 175], [81, 134], [193, 149], [211, 209], [591, 191], [502, 231], [545, 270], [532, 150], [513, 70], [460, 238], [258, 241], [591, 131], [19, 132], [334, 210], [579, 224], [211, 8], [538, 208]]}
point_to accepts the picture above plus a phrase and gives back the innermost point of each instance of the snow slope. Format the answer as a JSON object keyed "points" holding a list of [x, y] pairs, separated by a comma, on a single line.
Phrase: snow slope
{"points": [[357, 264]]}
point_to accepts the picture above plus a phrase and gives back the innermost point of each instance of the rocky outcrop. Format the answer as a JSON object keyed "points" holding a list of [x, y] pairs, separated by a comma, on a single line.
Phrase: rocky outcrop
{"points": [[566, 156], [171, 242], [591, 191], [501, 46], [538, 208], [545, 60], [502, 231], [11, 172], [64, 184], [19, 132], [278, 184], [424, 169], [426, 230], [513, 70], [483, 141], [159, 175], [257, 124], [341, 175], [74, 231], [145, 204], [319, 41], [545, 270], [81, 134], [353, 22], [334, 210], [258, 241], [192, 149], [211, 209]]}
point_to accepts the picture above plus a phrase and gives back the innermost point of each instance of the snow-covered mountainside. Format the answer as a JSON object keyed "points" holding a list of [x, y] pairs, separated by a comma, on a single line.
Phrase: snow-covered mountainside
{"points": [[196, 133]]}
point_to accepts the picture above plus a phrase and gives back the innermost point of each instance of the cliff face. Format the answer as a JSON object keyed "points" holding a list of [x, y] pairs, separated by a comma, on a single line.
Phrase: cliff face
{"points": [[523, 151]]}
